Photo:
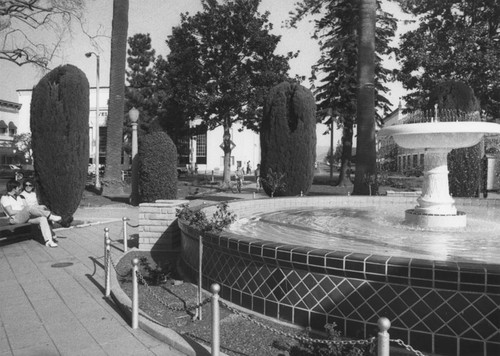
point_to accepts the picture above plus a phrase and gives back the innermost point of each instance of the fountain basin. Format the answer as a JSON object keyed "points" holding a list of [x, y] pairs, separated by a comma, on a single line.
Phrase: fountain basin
{"points": [[440, 306], [447, 135]]}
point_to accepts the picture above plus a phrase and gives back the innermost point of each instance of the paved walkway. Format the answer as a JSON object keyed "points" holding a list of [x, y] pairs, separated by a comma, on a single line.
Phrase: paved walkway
{"points": [[52, 300]]}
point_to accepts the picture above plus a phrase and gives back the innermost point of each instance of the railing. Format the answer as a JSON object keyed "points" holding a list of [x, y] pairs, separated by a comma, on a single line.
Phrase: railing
{"points": [[382, 340]]}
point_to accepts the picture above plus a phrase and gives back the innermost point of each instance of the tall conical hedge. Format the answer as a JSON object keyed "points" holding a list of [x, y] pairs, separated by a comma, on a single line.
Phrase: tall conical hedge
{"points": [[157, 167], [288, 138], [464, 164], [59, 121]]}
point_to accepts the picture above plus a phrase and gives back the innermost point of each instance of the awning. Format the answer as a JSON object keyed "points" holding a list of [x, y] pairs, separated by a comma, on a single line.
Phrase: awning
{"points": [[12, 126], [3, 125]]}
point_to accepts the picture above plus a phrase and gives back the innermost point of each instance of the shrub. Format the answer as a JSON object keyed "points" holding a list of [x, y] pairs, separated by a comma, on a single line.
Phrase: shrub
{"points": [[59, 121], [463, 163], [157, 167], [288, 138], [221, 218]]}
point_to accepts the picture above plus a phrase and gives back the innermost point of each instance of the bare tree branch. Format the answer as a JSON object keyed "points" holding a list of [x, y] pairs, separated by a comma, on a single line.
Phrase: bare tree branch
{"points": [[26, 25]]}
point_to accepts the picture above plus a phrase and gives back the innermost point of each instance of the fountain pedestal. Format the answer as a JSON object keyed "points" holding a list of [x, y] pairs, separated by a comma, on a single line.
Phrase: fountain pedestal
{"points": [[436, 208], [435, 198]]}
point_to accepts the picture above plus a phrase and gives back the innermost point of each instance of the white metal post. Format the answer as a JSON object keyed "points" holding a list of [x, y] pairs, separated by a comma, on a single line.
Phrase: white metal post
{"points": [[215, 289], [125, 236], [383, 337], [107, 282], [200, 259], [135, 294], [106, 236]]}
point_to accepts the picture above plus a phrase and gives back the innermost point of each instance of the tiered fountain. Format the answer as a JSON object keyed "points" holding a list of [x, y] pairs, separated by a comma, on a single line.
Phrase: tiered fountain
{"points": [[436, 208]]}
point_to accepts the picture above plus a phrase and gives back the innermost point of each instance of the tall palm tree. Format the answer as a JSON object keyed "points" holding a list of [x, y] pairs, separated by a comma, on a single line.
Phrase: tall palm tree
{"points": [[365, 151], [112, 183]]}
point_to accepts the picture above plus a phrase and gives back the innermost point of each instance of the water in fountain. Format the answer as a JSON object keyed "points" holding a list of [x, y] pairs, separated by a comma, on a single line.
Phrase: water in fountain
{"points": [[380, 231]]}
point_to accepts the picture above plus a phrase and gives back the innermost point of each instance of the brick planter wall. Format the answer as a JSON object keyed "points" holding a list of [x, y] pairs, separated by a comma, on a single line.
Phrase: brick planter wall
{"points": [[158, 229]]}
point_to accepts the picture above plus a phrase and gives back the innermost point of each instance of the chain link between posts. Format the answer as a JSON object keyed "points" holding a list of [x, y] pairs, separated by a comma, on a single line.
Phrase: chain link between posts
{"points": [[363, 342], [407, 347]]}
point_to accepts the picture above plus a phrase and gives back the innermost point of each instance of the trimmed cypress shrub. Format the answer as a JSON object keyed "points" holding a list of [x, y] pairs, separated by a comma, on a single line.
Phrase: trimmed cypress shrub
{"points": [[288, 139], [464, 164], [157, 167], [59, 121]]}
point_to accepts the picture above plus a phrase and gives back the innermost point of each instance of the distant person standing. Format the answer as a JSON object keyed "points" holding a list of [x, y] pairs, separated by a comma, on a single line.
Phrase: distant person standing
{"points": [[257, 177], [249, 169], [239, 175]]}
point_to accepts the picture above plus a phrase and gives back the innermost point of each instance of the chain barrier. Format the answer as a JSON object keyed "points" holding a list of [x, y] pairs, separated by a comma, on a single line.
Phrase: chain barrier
{"points": [[165, 304], [297, 337], [249, 318], [407, 347]]}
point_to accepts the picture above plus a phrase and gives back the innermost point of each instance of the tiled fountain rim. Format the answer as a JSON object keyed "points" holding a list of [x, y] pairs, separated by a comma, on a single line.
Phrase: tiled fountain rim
{"points": [[475, 277]]}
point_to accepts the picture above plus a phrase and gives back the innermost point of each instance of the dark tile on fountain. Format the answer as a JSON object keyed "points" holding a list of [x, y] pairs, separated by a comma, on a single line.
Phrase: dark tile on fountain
{"points": [[492, 349], [444, 344], [319, 252], [283, 254], [471, 347], [299, 257], [417, 262], [271, 309], [316, 260], [398, 270], [446, 275], [235, 296], [258, 305], [421, 273], [420, 339], [318, 321], [338, 254], [493, 279], [446, 265], [233, 245], [244, 247], [256, 249], [337, 263], [286, 312], [472, 278], [377, 268], [246, 301], [300, 317], [378, 259]]}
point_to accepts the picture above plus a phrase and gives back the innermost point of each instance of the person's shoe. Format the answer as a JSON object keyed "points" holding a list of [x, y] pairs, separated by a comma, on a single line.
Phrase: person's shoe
{"points": [[54, 218], [50, 244], [66, 222], [55, 239]]}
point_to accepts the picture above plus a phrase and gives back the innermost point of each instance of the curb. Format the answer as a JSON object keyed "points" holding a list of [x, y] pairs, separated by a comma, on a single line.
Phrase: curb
{"points": [[179, 342]]}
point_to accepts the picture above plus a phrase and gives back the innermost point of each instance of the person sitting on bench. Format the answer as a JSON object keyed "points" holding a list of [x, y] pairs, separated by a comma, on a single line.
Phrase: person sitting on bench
{"points": [[19, 212]]}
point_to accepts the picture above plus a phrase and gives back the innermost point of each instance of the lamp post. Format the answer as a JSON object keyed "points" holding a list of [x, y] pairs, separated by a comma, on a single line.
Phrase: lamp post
{"points": [[96, 123], [133, 114]]}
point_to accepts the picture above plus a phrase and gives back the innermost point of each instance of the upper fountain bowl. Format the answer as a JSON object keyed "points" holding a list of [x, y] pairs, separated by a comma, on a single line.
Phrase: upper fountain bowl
{"points": [[447, 135]]}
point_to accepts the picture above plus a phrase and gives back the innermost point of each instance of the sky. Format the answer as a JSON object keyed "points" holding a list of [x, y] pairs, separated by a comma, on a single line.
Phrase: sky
{"points": [[157, 17]]}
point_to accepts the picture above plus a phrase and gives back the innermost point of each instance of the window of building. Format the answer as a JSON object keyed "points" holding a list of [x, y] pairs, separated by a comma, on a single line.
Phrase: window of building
{"points": [[3, 130], [201, 149], [415, 160], [422, 159]]}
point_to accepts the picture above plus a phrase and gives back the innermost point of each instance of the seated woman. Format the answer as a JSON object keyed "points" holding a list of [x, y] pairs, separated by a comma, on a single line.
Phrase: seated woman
{"points": [[31, 200], [19, 212]]}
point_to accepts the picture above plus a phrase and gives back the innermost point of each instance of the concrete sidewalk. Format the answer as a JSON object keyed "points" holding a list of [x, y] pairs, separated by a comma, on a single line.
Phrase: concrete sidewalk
{"points": [[52, 300]]}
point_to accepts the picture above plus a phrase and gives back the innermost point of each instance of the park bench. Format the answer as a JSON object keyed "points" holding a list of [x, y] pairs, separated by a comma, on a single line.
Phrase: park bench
{"points": [[18, 231]]}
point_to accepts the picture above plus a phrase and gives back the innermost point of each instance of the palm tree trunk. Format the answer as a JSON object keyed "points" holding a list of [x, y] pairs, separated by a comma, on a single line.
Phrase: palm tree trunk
{"points": [[365, 151], [112, 183]]}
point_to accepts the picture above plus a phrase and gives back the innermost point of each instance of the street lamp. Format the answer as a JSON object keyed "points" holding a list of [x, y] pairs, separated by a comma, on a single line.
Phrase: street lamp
{"points": [[96, 123], [133, 114]]}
